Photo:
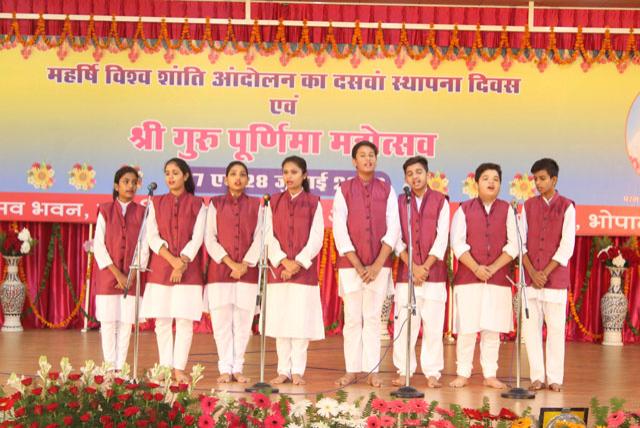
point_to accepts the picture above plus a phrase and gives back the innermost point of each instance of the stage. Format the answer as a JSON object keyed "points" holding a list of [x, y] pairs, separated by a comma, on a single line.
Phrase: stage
{"points": [[591, 370]]}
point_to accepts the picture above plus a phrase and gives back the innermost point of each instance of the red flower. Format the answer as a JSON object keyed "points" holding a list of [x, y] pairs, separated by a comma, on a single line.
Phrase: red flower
{"points": [[179, 407], [174, 389], [67, 420], [412, 422], [208, 404], [147, 396], [52, 407], [189, 420], [418, 406], [20, 412], [152, 385], [398, 406], [34, 425], [124, 397], [158, 396], [36, 391], [98, 379], [444, 412], [117, 406], [507, 414], [73, 405], [473, 414], [37, 409], [142, 423], [387, 421], [130, 411], [85, 417], [90, 390], [232, 419], [74, 390], [122, 424], [54, 375], [118, 381], [486, 415], [172, 414], [6, 403], [54, 425], [132, 386], [27, 381], [276, 421], [261, 400], [53, 389], [380, 405], [205, 421], [163, 424], [441, 424], [110, 393], [74, 376], [373, 422], [105, 419]]}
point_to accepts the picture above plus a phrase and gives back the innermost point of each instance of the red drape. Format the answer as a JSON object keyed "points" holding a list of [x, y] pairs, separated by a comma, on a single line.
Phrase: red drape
{"points": [[330, 12], [55, 302]]}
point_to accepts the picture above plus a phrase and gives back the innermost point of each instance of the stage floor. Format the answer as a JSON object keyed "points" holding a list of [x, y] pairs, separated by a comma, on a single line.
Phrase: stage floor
{"points": [[591, 370]]}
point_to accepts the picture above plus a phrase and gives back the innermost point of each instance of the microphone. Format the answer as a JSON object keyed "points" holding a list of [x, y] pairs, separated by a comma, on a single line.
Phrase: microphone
{"points": [[152, 187], [407, 191], [514, 205], [266, 198]]}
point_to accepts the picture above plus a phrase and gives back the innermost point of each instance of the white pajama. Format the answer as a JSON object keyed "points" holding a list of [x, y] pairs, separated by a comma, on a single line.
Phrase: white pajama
{"points": [[545, 306], [489, 349], [430, 308], [172, 354], [292, 356], [231, 331], [115, 336]]}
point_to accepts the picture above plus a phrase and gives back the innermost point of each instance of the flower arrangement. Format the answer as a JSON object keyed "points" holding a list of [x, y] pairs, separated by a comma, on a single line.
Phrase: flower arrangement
{"points": [[40, 175], [82, 176], [469, 186], [618, 256], [438, 181], [522, 187], [15, 244], [614, 415]]}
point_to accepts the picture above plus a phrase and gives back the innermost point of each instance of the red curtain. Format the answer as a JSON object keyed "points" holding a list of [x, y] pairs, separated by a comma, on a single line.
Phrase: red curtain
{"points": [[55, 302], [330, 12]]}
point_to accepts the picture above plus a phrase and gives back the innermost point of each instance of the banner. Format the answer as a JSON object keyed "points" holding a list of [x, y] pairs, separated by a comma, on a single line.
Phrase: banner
{"points": [[68, 125]]}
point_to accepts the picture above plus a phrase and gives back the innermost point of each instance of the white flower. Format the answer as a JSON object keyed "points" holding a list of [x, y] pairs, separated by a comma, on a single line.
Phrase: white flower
{"points": [[25, 247], [15, 382], [65, 368], [319, 425], [196, 375], [357, 423], [327, 407], [44, 368], [24, 235], [292, 425], [618, 261], [350, 410], [299, 409], [225, 398]]}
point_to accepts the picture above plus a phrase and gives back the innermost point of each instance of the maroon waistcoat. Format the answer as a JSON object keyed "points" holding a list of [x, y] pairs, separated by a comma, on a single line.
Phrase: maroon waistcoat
{"points": [[366, 219], [292, 220], [544, 231], [176, 218], [423, 230], [120, 239], [236, 220], [486, 235]]}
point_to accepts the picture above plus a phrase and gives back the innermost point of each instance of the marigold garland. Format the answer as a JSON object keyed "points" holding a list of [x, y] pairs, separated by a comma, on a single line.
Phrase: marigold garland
{"points": [[576, 318], [186, 44]]}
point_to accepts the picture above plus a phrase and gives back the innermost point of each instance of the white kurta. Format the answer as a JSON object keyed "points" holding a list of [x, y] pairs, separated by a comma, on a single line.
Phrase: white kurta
{"points": [[295, 310], [482, 306], [182, 301]]}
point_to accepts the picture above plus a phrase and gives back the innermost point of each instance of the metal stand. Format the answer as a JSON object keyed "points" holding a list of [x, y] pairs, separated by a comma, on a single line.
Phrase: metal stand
{"points": [[407, 391], [136, 264], [518, 392], [262, 386], [85, 325]]}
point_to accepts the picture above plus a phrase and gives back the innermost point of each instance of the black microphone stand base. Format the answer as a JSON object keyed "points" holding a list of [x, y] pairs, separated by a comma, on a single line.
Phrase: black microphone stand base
{"points": [[407, 392], [262, 387], [519, 394]]}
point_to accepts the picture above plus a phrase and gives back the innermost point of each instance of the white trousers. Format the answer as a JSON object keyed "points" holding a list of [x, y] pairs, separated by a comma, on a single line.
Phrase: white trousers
{"points": [[361, 331], [115, 342], [431, 312], [489, 349], [172, 354], [231, 332], [292, 356], [554, 314]]}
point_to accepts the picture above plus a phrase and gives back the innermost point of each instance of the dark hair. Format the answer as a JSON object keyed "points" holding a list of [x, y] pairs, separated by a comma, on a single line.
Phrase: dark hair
{"points": [[300, 163], [414, 160], [120, 173], [189, 185], [546, 164], [363, 143], [488, 166], [235, 163]]}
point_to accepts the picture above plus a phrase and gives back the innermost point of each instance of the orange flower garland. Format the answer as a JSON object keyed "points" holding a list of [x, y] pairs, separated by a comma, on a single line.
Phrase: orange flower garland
{"points": [[576, 318]]}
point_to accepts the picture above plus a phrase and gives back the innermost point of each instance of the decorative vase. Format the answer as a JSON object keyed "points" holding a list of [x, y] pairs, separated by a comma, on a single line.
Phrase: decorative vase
{"points": [[12, 296], [384, 318], [613, 307]]}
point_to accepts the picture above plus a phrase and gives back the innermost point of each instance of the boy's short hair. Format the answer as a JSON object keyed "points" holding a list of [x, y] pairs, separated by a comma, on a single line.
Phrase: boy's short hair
{"points": [[546, 164], [363, 143], [486, 167], [414, 160]]}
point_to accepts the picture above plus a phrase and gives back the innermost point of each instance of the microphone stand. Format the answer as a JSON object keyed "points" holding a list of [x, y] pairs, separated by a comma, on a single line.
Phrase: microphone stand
{"points": [[136, 264], [521, 295], [261, 385], [407, 391]]}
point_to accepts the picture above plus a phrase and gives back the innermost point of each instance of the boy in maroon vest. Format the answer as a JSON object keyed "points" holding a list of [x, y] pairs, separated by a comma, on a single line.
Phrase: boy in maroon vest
{"points": [[484, 239], [549, 231], [366, 229], [430, 236]]}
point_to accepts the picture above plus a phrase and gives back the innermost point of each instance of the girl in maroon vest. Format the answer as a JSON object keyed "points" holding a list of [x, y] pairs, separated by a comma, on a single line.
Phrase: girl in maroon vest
{"points": [[365, 229], [294, 309], [114, 244], [430, 235], [483, 238], [549, 232], [232, 240], [175, 230]]}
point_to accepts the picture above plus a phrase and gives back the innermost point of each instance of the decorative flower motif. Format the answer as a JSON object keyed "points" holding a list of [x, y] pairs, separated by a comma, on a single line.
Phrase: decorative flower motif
{"points": [[327, 407], [438, 181], [40, 175], [82, 176], [469, 186], [522, 187]]}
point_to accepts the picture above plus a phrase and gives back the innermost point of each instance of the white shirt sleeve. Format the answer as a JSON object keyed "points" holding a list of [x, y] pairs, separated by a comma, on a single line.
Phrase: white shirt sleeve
{"points": [[153, 235], [568, 240], [400, 246], [144, 249], [315, 241], [252, 257], [276, 255], [511, 247], [192, 247], [524, 229], [459, 233], [439, 247], [340, 231], [393, 220], [103, 259], [214, 248]]}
